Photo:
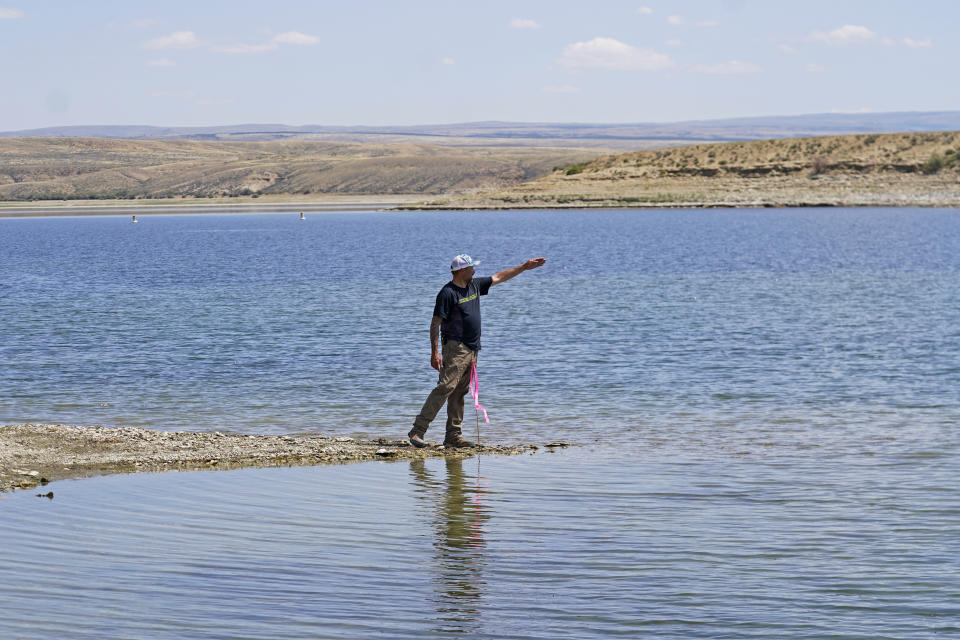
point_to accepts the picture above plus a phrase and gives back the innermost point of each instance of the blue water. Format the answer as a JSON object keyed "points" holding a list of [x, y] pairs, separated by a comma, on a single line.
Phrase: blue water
{"points": [[640, 322], [768, 402], [571, 545]]}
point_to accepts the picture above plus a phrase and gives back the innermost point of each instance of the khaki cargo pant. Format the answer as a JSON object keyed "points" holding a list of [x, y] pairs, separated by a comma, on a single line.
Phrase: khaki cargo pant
{"points": [[451, 388]]}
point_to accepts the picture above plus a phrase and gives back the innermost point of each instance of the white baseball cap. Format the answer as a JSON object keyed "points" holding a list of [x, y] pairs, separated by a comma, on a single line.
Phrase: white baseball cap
{"points": [[463, 261]]}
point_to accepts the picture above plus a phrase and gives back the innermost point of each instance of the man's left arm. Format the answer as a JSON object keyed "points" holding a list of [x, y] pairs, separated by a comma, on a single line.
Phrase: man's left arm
{"points": [[512, 272]]}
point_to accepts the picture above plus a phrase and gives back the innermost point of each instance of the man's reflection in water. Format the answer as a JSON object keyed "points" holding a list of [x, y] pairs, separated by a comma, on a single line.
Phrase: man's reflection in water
{"points": [[457, 511]]}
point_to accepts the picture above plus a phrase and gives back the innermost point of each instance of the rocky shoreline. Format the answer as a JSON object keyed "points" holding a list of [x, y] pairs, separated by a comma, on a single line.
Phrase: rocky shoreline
{"points": [[267, 204], [33, 455]]}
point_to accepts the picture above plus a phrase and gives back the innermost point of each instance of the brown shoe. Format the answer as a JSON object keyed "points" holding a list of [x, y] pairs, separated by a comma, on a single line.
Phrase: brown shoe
{"points": [[458, 442], [416, 439]]}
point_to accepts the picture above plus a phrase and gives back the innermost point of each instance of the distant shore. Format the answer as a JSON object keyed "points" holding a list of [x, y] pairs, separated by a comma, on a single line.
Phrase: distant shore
{"points": [[265, 204], [877, 170], [864, 170], [32, 455], [714, 192], [664, 195]]}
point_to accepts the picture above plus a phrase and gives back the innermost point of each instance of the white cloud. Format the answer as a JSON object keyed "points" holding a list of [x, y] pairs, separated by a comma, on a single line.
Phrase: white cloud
{"points": [[785, 48], [708, 23], [814, 68], [295, 37], [241, 49], [675, 20], [189, 40], [448, 61], [523, 23], [176, 40], [607, 53], [288, 37], [922, 44], [847, 34], [674, 43], [566, 88], [858, 34], [731, 68], [10, 14], [644, 11], [161, 62]]}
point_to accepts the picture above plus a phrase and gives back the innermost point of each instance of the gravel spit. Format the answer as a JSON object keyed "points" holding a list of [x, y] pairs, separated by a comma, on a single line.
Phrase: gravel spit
{"points": [[35, 454]]}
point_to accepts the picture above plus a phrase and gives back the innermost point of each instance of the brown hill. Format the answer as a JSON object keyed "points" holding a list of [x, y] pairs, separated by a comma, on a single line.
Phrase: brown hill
{"points": [[99, 168], [874, 169], [898, 152]]}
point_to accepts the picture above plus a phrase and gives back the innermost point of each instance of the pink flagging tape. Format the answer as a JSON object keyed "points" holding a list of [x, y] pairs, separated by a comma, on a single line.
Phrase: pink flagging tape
{"points": [[475, 390]]}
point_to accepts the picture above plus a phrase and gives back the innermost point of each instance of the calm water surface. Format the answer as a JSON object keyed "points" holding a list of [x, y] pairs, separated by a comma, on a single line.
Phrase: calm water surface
{"points": [[570, 545], [769, 401], [641, 321]]}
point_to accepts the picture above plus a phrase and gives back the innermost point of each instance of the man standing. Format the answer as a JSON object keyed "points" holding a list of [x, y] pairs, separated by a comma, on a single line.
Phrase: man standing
{"points": [[456, 318]]}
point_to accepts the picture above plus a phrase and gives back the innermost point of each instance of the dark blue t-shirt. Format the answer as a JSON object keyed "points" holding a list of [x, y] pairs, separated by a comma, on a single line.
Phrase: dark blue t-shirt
{"points": [[460, 309]]}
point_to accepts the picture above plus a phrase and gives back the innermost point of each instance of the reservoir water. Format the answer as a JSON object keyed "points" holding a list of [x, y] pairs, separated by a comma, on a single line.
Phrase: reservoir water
{"points": [[767, 401]]}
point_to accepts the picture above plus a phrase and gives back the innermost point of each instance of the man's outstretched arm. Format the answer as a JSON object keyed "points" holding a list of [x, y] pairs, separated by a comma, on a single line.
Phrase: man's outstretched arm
{"points": [[506, 274]]}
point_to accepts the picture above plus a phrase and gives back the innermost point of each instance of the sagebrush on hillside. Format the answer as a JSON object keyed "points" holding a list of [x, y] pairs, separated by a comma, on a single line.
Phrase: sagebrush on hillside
{"points": [[905, 169], [99, 168]]}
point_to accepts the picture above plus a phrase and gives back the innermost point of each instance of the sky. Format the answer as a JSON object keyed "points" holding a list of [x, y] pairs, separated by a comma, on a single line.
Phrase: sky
{"points": [[378, 62]]}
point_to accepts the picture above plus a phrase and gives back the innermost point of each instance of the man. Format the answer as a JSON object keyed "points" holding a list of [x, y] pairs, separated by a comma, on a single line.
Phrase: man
{"points": [[456, 318]]}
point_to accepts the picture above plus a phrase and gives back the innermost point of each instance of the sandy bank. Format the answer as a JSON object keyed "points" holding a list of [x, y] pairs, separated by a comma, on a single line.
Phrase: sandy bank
{"points": [[697, 192], [266, 204], [34, 454]]}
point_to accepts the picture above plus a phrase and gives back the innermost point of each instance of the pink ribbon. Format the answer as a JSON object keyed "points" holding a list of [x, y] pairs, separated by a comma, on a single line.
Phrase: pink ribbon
{"points": [[475, 390]]}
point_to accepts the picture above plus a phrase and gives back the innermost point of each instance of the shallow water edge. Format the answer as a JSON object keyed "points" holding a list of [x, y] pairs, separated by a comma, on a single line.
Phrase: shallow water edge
{"points": [[35, 454]]}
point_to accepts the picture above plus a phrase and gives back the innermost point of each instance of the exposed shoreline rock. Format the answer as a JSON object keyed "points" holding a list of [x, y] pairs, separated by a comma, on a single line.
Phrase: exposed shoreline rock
{"points": [[32, 455]]}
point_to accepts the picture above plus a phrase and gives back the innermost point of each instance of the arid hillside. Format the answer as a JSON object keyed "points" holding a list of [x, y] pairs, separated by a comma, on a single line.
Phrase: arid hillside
{"points": [[855, 170], [898, 152], [99, 168]]}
